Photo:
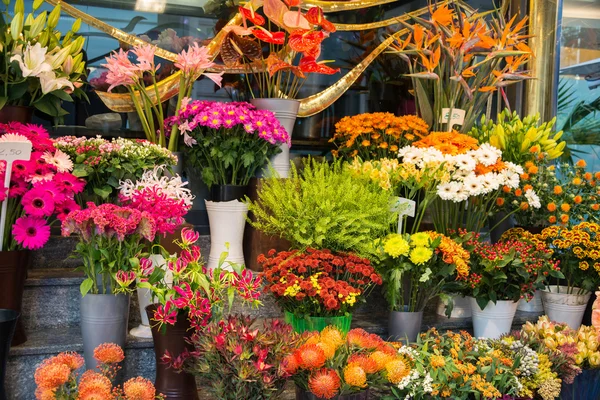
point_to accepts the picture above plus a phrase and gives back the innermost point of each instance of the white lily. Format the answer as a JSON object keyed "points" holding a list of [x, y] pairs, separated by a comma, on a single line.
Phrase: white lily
{"points": [[50, 82], [33, 61]]}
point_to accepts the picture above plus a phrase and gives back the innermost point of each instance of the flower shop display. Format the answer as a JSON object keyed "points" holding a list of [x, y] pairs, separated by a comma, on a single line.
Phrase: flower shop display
{"points": [[123, 72], [324, 206], [228, 144], [111, 239], [344, 366], [188, 296], [40, 192], [577, 248], [456, 63], [374, 136], [168, 200], [43, 67], [234, 359], [58, 378], [293, 38], [501, 274], [415, 269], [317, 288], [8, 324], [103, 164]]}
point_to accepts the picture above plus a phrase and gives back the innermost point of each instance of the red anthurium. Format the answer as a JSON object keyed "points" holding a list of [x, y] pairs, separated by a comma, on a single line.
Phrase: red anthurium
{"points": [[268, 37], [292, 3], [314, 52], [303, 40], [252, 16], [315, 16], [275, 64], [309, 64]]}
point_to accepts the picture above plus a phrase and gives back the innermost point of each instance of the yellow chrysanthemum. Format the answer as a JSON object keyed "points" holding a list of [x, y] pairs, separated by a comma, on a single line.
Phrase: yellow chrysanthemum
{"points": [[420, 239], [396, 246], [420, 255]]}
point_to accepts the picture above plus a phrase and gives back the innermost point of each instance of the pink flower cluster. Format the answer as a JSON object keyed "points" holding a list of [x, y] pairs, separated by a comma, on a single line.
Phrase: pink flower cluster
{"points": [[225, 116], [43, 183], [109, 220]]}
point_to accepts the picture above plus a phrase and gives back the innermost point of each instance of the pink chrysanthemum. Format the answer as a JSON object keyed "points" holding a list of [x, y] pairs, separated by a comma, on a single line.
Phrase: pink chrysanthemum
{"points": [[31, 232], [38, 203]]}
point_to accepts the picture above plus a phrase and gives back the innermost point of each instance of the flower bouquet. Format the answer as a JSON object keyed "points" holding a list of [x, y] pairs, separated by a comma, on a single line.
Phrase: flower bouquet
{"points": [[133, 75], [236, 360], [40, 188], [332, 364], [457, 62], [578, 250], [415, 269], [103, 163], [57, 378], [373, 136], [42, 67], [501, 274], [317, 288]]}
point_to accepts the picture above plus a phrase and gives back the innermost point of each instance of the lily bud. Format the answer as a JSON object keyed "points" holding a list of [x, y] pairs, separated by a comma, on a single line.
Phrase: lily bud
{"points": [[54, 16], [36, 4], [38, 24], [77, 45], [76, 25], [16, 26], [67, 66], [19, 7]]}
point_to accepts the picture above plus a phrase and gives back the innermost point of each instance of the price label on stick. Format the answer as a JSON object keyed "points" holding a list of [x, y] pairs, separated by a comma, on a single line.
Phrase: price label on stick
{"points": [[10, 152], [404, 207]]}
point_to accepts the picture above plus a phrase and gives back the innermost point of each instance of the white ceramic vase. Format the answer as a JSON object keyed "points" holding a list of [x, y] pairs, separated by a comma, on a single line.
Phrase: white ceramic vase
{"points": [[534, 305], [461, 309], [563, 307], [286, 112], [227, 220], [145, 299], [494, 320]]}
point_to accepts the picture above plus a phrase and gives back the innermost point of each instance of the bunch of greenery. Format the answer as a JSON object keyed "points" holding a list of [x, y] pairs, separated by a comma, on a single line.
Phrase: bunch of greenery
{"points": [[324, 207]]}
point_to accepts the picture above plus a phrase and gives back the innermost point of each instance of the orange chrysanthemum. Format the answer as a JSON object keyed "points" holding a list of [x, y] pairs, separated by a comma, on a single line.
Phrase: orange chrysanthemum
{"points": [[524, 206], [355, 376], [333, 335], [50, 375], [564, 218], [380, 358], [595, 207], [396, 370], [588, 176], [109, 353], [558, 189], [577, 199], [448, 142], [500, 201], [139, 389], [310, 356], [565, 207], [94, 386], [70, 359], [577, 181], [324, 384], [518, 192], [552, 219], [581, 163]]}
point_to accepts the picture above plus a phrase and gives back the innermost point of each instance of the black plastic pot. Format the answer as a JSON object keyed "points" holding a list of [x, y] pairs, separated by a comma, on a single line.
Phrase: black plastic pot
{"points": [[228, 192], [8, 322]]}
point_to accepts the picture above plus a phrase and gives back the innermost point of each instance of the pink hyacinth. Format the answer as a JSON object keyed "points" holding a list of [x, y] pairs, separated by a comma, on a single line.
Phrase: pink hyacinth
{"points": [[31, 232]]}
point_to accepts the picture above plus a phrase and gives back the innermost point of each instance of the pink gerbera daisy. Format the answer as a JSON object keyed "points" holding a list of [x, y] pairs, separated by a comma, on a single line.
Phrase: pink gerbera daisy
{"points": [[69, 183], [2, 194], [52, 189], [31, 232], [64, 208], [18, 187], [38, 203]]}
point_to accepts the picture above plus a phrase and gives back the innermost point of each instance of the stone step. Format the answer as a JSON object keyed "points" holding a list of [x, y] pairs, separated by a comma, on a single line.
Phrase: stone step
{"points": [[45, 343]]}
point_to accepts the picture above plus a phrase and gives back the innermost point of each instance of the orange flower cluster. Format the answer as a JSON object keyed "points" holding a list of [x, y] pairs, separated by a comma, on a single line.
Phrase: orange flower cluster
{"points": [[452, 143], [369, 361], [373, 136], [57, 376], [452, 253]]}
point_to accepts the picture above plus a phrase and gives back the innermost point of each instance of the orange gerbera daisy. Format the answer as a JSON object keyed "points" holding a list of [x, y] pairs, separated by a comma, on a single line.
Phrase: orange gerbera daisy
{"points": [[109, 353], [310, 356], [139, 389], [324, 384], [355, 376], [50, 375], [396, 370]]}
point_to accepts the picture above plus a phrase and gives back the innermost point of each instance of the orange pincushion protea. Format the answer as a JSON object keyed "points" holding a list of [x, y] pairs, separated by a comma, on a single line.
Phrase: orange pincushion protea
{"points": [[328, 349], [324, 384], [396, 370], [51, 375], [332, 335], [109, 353], [380, 358], [290, 364], [452, 143], [355, 376], [94, 386], [363, 339], [71, 359], [139, 389], [45, 394], [310, 356]]}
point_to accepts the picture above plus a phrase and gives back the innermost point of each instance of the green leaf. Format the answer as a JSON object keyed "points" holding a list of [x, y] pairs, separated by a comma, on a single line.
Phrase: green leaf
{"points": [[61, 94], [46, 106], [103, 192], [423, 102], [3, 101], [86, 286]]}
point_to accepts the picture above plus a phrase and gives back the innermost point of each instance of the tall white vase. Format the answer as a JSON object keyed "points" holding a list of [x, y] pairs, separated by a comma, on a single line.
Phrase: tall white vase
{"points": [[145, 299], [286, 112], [564, 307], [227, 220]]}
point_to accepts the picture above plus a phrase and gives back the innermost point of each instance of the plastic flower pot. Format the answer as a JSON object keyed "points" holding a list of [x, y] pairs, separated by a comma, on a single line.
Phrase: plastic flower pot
{"points": [[8, 322], [303, 324], [585, 386], [285, 111], [13, 272], [563, 307], [302, 394], [171, 383], [494, 320]]}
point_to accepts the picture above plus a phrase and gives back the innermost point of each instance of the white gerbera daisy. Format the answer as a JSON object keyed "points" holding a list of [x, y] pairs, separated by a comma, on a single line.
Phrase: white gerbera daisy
{"points": [[532, 198]]}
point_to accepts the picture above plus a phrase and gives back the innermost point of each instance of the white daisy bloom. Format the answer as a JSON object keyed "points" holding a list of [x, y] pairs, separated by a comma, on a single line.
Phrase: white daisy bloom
{"points": [[532, 198]]}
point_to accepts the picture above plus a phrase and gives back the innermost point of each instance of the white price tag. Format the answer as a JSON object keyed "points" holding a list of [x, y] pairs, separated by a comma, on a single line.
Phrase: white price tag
{"points": [[404, 207], [13, 151], [457, 118]]}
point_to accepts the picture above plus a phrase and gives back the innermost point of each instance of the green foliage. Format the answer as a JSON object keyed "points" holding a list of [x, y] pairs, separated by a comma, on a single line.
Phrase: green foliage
{"points": [[324, 207]]}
